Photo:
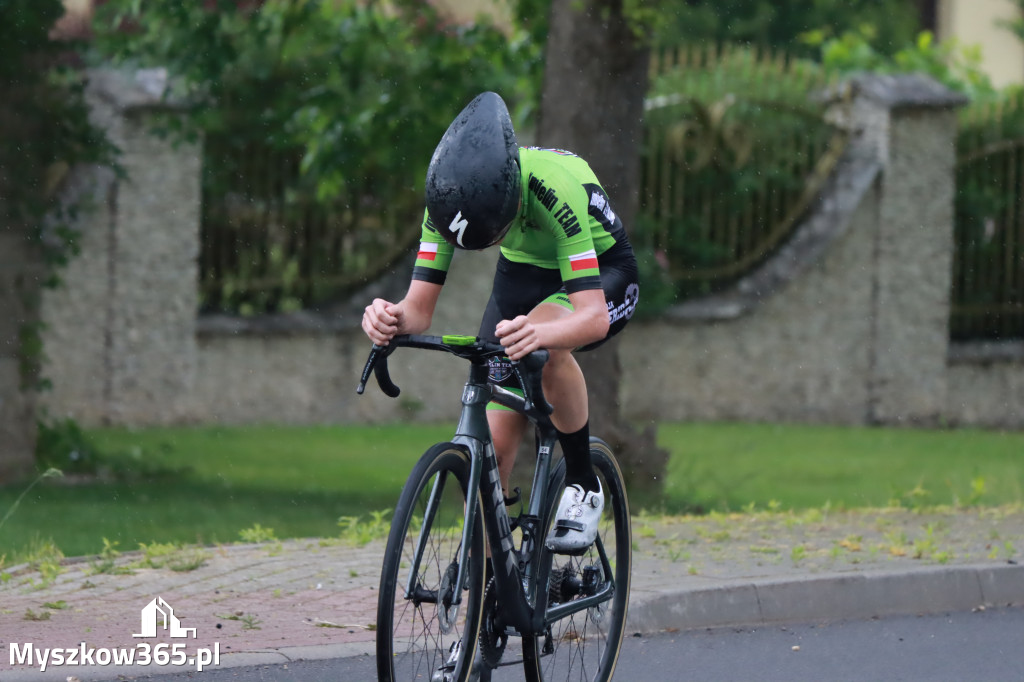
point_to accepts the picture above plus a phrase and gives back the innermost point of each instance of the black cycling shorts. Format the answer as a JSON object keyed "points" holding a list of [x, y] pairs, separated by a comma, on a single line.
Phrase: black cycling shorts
{"points": [[519, 288]]}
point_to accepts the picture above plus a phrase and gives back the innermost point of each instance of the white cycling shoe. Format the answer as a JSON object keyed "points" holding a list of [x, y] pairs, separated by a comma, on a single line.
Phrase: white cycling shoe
{"points": [[576, 520]]}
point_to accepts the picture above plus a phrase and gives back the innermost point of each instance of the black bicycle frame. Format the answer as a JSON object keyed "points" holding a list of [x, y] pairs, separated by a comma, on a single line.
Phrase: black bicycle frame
{"points": [[511, 564]]}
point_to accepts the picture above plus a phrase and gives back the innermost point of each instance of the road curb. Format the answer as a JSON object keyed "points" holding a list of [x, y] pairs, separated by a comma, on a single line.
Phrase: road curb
{"points": [[847, 596], [735, 602]]}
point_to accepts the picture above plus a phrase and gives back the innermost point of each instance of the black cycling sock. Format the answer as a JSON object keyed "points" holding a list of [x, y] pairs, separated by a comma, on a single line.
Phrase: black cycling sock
{"points": [[576, 450]]}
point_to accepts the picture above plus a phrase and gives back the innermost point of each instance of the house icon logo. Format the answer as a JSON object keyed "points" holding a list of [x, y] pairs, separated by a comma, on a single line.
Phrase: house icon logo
{"points": [[159, 612]]}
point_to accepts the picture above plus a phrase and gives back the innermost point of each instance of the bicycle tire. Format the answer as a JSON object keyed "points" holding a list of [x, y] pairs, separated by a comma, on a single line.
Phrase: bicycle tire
{"points": [[585, 645], [415, 634]]}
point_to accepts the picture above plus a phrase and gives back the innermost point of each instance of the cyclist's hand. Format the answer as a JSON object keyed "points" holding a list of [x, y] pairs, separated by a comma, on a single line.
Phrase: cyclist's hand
{"points": [[382, 320], [518, 336]]}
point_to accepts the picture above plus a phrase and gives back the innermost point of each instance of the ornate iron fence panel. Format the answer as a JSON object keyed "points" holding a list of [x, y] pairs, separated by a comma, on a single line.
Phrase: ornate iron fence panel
{"points": [[988, 258], [269, 245], [736, 149]]}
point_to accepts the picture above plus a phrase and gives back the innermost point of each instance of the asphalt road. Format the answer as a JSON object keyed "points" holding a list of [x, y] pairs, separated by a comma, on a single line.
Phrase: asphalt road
{"points": [[959, 647]]}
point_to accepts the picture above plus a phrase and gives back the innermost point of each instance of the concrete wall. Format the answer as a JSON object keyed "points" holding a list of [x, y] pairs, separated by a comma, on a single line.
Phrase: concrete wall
{"points": [[304, 368], [802, 353], [121, 335], [846, 324], [986, 385]]}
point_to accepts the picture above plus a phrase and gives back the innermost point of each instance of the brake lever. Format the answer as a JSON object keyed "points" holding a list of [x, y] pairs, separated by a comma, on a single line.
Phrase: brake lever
{"points": [[377, 362]]}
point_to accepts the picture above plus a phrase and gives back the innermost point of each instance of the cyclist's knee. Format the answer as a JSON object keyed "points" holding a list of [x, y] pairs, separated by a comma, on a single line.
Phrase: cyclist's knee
{"points": [[560, 357]]}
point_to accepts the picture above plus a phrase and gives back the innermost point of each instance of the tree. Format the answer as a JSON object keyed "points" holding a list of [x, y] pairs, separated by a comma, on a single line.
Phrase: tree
{"points": [[595, 79]]}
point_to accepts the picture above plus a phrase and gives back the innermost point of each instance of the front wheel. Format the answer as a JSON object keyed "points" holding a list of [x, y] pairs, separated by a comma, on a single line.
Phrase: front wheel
{"points": [[584, 645], [427, 628]]}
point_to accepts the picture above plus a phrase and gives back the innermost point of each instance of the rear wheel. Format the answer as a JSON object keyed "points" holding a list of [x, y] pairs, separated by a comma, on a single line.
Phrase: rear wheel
{"points": [[426, 629], [584, 645]]}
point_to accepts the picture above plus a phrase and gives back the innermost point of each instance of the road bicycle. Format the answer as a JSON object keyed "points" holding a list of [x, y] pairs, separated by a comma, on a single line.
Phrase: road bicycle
{"points": [[442, 615]]}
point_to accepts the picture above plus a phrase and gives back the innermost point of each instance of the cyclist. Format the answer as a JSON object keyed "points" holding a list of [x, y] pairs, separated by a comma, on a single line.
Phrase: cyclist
{"points": [[566, 280]]}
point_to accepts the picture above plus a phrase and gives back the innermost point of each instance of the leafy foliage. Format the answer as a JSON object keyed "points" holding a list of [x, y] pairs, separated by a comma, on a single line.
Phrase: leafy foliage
{"points": [[1016, 25], [63, 445], [44, 132], [44, 124], [956, 66], [778, 23], [723, 108], [731, 140], [359, 92]]}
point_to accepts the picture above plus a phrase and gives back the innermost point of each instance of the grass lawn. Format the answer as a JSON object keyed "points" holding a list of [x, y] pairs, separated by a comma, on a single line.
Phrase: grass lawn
{"points": [[730, 466], [300, 480], [297, 481]]}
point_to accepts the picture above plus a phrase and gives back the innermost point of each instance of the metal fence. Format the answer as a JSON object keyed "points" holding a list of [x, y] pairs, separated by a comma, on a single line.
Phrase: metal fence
{"points": [[736, 149], [269, 245], [734, 152], [988, 260]]}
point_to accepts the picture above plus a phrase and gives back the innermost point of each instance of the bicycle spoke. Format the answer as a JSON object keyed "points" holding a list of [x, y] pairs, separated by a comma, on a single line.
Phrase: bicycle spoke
{"points": [[420, 572]]}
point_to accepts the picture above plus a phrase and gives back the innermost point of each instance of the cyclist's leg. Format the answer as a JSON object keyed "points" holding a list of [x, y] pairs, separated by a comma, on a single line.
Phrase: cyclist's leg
{"points": [[564, 385], [563, 379], [507, 429], [516, 291], [565, 388], [521, 289], [582, 501]]}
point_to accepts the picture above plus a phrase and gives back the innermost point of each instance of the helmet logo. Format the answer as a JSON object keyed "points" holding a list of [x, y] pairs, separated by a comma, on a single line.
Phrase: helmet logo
{"points": [[458, 226]]}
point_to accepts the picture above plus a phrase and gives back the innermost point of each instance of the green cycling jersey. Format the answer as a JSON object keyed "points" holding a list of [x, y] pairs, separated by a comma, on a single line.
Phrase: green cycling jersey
{"points": [[565, 222]]}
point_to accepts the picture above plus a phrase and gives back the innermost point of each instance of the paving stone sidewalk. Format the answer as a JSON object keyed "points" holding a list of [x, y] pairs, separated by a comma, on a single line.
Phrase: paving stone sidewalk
{"points": [[281, 601]]}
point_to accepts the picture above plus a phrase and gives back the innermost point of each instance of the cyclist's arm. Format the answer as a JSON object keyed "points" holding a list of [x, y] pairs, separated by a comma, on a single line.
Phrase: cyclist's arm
{"points": [[383, 320], [418, 306], [587, 323]]}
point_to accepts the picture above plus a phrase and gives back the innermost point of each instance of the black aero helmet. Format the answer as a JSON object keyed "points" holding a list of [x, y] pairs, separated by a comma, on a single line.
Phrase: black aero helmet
{"points": [[473, 180]]}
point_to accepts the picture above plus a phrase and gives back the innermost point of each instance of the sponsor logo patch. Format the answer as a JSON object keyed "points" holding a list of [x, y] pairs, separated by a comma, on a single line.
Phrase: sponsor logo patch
{"points": [[624, 310], [458, 226], [500, 369]]}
